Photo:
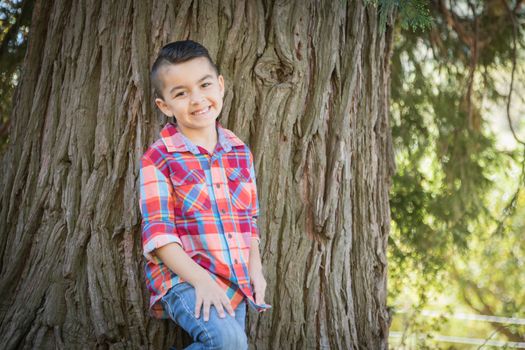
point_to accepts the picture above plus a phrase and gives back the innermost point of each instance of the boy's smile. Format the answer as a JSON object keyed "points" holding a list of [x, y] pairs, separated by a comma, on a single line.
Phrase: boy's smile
{"points": [[192, 93]]}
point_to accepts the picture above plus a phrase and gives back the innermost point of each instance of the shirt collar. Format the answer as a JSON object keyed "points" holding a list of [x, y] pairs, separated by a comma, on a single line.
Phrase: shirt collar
{"points": [[175, 141]]}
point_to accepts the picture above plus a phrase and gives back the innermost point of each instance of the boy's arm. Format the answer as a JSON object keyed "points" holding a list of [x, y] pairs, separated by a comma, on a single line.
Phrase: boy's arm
{"points": [[255, 264], [207, 291], [178, 261], [255, 258], [156, 207], [256, 274]]}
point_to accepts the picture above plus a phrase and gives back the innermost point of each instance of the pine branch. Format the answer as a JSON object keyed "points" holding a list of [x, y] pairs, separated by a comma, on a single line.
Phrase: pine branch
{"points": [[513, 57], [510, 208], [472, 66]]}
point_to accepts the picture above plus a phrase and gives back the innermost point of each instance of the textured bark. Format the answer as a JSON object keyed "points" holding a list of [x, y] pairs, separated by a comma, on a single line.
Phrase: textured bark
{"points": [[307, 89]]}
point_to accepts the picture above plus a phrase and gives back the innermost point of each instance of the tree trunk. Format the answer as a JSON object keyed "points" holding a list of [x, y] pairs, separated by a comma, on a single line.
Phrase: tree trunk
{"points": [[307, 89]]}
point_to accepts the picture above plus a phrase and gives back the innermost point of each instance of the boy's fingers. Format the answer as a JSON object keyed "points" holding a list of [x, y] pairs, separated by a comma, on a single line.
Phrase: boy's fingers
{"points": [[259, 297], [206, 310], [259, 294], [220, 309], [198, 304]]}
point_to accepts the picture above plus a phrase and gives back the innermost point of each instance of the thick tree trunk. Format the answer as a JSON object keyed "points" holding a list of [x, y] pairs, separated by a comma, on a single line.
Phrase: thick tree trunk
{"points": [[307, 89]]}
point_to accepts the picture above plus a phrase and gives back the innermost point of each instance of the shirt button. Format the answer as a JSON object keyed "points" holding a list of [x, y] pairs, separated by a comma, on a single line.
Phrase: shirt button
{"points": [[223, 211], [236, 261], [229, 235], [218, 185]]}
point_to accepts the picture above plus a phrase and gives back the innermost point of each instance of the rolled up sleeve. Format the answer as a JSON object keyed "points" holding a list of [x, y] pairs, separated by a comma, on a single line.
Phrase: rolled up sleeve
{"points": [[156, 207], [254, 204]]}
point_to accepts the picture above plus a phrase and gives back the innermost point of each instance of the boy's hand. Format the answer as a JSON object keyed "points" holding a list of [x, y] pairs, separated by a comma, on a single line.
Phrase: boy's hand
{"points": [[207, 293], [259, 286]]}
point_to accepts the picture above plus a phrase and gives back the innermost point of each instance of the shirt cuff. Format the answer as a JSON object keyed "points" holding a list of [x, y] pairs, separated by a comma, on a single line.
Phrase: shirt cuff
{"points": [[158, 237]]}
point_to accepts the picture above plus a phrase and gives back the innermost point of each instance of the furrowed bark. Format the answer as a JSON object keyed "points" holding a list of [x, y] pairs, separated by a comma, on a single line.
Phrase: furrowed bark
{"points": [[307, 89]]}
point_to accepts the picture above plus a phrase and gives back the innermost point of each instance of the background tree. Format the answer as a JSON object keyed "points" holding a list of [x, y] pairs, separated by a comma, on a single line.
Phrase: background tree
{"points": [[307, 89], [450, 209]]}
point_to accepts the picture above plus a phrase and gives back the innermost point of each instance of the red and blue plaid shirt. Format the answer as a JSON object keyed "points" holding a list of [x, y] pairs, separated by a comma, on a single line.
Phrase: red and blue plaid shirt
{"points": [[207, 204]]}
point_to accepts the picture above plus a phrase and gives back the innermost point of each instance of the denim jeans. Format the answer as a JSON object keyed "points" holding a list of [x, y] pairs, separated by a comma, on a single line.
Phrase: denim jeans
{"points": [[216, 333]]}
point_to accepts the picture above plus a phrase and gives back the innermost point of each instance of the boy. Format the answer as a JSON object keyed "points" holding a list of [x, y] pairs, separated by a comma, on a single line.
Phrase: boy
{"points": [[198, 199]]}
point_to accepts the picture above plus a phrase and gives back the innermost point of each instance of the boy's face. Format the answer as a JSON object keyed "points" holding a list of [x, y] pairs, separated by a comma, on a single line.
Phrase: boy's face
{"points": [[192, 93]]}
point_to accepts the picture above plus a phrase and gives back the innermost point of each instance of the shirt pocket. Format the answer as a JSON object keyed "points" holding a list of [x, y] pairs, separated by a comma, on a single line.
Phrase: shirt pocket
{"points": [[191, 192], [240, 187]]}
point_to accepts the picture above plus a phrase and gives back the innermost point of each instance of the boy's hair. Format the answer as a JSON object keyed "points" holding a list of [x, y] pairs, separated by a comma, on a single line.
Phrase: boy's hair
{"points": [[177, 52]]}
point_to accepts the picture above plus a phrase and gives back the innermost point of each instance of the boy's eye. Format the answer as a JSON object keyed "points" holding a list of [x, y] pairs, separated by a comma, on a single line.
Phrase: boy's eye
{"points": [[206, 84], [179, 94]]}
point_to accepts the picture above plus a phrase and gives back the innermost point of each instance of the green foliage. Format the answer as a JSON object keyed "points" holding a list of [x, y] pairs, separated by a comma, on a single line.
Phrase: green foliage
{"points": [[412, 14], [443, 166], [444, 159], [447, 197]]}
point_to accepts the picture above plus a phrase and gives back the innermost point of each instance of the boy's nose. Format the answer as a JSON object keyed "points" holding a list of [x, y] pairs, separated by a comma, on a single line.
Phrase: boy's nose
{"points": [[196, 98]]}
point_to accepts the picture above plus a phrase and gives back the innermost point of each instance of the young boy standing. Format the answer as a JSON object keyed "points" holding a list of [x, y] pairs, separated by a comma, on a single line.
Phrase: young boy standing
{"points": [[198, 199]]}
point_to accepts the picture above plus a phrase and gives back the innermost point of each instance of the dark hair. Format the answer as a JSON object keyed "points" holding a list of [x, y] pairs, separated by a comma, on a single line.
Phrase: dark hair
{"points": [[177, 52]]}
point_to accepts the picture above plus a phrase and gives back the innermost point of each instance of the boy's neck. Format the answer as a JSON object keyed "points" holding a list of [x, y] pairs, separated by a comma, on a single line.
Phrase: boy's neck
{"points": [[206, 138]]}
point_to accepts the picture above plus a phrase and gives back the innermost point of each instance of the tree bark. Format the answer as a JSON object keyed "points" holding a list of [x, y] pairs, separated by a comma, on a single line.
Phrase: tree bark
{"points": [[307, 89]]}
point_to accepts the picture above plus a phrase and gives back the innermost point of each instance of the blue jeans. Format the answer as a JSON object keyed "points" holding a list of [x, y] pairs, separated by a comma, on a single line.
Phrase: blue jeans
{"points": [[216, 333]]}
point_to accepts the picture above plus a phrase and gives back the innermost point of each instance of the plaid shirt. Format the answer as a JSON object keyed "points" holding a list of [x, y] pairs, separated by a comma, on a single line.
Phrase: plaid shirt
{"points": [[207, 204]]}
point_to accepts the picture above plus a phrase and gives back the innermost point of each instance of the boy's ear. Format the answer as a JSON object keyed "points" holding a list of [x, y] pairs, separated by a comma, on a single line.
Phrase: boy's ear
{"points": [[221, 85], [163, 107]]}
